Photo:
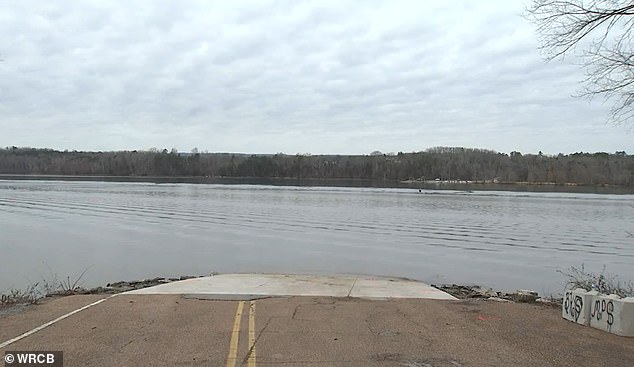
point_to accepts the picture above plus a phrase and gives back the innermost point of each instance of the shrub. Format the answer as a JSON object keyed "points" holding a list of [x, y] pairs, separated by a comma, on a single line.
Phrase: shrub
{"points": [[603, 282]]}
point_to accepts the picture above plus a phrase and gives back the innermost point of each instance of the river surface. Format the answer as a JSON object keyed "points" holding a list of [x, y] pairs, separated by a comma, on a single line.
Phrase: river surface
{"points": [[128, 231]]}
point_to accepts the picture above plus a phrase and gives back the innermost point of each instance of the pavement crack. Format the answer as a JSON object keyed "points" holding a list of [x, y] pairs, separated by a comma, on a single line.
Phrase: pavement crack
{"points": [[351, 288], [125, 345], [295, 311], [255, 342], [249, 353], [408, 318]]}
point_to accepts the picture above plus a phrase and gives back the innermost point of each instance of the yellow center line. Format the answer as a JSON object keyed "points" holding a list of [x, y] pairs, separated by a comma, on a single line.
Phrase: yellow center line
{"points": [[252, 334], [235, 336]]}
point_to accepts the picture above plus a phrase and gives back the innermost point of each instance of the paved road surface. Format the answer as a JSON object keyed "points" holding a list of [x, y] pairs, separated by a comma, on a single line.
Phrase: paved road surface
{"points": [[172, 330]]}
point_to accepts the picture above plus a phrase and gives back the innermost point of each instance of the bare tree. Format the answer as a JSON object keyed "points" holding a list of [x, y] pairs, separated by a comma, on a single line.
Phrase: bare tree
{"points": [[603, 29]]}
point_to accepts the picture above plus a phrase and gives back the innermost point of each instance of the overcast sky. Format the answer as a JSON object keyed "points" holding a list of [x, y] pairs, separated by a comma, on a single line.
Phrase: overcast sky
{"points": [[267, 77]]}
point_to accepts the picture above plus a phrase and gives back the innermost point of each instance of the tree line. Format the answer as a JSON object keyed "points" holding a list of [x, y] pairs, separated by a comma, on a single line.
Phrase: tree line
{"points": [[439, 163]]}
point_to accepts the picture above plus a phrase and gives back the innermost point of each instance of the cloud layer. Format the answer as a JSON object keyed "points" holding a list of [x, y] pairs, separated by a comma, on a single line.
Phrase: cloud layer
{"points": [[266, 77]]}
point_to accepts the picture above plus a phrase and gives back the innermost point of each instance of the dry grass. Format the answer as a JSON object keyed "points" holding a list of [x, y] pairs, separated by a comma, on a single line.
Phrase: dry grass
{"points": [[29, 295], [603, 282], [44, 288]]}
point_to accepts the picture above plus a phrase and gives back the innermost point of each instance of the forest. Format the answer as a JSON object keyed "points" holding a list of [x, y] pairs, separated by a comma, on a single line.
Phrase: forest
{"points": [[438, 163]]}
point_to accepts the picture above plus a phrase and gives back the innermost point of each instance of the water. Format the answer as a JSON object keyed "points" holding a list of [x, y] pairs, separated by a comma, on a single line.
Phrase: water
{"points": [[127, 231]]}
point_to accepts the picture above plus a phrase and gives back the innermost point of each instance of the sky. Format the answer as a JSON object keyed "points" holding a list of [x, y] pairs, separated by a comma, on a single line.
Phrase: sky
{"points": [[314, 77]]}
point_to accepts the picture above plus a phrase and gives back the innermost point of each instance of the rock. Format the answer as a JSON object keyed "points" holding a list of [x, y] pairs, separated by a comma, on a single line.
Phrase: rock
{"points": [[525, 296], [489, 293], [549, 301], [465, 292], [525, 291], [498, 299]]}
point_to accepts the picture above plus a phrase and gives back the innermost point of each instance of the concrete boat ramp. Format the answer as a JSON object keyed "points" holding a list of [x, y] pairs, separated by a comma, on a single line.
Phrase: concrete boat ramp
{"points": [[253, 286]]}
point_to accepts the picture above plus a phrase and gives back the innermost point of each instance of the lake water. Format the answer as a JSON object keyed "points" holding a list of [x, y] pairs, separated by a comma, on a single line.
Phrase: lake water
{"points": [[128, 231]]}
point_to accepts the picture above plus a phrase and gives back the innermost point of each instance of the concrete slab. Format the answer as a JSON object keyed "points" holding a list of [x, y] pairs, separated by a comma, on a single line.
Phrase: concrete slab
{"points": [[255, 285], [377, 288]]}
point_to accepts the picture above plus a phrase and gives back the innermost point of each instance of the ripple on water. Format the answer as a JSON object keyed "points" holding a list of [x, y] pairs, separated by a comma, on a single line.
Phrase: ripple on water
{"points": [[184, 229]]}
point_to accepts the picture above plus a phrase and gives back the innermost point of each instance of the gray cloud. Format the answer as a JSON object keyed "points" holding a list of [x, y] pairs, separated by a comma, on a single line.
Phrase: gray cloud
{"points": [[339, 77]]}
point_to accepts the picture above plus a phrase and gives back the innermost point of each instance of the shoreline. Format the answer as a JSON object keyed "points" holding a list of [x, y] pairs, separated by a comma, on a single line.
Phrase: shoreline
{"points": [[465, 292], [338, 182], [461, 292]]}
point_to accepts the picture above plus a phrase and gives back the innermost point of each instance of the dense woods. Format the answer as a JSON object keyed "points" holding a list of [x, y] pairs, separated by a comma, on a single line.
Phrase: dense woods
{"points": [[440, 163]]}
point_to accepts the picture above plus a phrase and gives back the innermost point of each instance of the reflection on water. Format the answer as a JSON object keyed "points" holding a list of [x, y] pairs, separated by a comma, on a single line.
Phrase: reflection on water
{"points": [[135, 230]]}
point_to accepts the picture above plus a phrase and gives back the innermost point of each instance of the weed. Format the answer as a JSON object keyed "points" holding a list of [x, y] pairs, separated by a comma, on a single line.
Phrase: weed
{"points": [[605, 283], [68, 286], [30, 294], [46, 287]]}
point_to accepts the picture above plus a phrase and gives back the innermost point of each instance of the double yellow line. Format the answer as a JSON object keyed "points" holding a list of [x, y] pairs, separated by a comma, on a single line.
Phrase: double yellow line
{"points": [[235, 336]]}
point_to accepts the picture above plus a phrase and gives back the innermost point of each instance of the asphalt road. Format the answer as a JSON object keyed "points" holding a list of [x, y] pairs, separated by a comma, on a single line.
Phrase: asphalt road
{"points": [[172, 330]]}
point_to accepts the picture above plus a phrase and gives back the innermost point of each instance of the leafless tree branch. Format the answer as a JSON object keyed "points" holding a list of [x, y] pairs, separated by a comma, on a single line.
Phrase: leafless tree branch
{"points": [[604, 30]]}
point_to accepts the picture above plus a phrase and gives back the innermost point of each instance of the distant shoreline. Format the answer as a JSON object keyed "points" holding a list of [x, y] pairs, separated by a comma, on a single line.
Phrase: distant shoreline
{"points": [[342, 182]]}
